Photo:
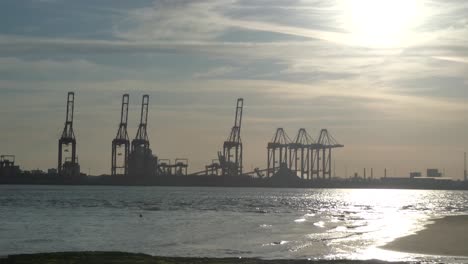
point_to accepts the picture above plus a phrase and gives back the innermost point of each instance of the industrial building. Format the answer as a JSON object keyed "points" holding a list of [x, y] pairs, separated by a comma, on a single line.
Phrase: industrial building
{"points": [[8, 167]]}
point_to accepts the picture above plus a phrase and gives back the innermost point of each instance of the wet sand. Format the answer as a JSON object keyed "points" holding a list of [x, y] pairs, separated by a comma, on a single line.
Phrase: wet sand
{"points": [[447, 236]]}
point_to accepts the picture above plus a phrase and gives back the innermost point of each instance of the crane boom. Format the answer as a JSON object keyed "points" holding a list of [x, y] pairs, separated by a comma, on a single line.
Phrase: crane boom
{"points": [[124, 111], [121, 143], [68, 129], [68, 167], [141, 133], [238, 119]]}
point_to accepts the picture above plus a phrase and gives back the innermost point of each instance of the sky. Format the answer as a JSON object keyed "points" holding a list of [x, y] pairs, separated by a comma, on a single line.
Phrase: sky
{"points": [[388, 79]]}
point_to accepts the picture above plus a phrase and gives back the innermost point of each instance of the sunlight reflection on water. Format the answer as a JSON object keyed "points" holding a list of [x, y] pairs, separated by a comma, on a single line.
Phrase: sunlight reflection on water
{"points": [[219, 222]]}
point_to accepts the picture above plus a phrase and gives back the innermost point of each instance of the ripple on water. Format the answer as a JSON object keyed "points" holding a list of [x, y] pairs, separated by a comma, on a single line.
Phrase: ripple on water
{"points": [[342, 222], [320, 224], [276, 243]]}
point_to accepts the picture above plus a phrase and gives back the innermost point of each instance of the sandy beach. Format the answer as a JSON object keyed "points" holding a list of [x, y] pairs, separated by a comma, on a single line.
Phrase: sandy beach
{"points": [[446, 236]]}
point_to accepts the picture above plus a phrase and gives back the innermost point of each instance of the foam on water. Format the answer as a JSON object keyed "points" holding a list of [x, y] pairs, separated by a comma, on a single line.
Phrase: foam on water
{"points": [[219, 222]]}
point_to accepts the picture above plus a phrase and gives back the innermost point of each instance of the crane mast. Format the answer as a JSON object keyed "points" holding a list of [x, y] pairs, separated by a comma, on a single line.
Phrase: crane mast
{"points": [[327, 142], [141, 138], [277, 152], [121, 142], [142, 163], [68, 166], [231, 158]]}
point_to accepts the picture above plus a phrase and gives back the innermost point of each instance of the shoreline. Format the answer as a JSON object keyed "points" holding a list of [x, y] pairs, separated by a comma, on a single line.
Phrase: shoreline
{"points": [[122, 257], [447, 236], [218, 181]]}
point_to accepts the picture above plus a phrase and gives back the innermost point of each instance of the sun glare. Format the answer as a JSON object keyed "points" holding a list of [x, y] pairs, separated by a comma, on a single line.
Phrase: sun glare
{"points": [[382, 23]]}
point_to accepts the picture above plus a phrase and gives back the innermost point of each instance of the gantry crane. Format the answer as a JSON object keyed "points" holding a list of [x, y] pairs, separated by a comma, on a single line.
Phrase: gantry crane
{"points": [[141, 140], [68, 166], [142, 163], [301, 150], [121, 143], [277, 152], [231, 157], [326, 142]]}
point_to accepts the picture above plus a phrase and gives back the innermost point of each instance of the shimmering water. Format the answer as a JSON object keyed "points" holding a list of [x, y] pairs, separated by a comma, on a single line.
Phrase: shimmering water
{"points": [[219, 222]]}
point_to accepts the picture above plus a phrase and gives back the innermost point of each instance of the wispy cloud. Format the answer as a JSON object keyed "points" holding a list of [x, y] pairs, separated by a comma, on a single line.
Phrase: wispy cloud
{"points": [[295, 62]]}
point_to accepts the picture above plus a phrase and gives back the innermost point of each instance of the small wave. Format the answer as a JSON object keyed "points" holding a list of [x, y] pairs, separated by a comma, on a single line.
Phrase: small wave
{"points": [[154, 208], [257, 211], [300, 220], [236, 252], [363, 206], [319, 224], [276, 243], [355, 226], [340, 228], [38, 240]]}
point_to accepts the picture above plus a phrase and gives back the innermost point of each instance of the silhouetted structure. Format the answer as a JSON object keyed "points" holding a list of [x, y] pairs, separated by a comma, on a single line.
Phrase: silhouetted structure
{"points": [[415, 174], [121, 142], [141, 162], [327, 143], [164, 167], [213, 169], [8, 167], [301, 154], [284, 177], [68, 166], [231, 158], [465, 175], [277, 152], [179, 168], [433, 173]]}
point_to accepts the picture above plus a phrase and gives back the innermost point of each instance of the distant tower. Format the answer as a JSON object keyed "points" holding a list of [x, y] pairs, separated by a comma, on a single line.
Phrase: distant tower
{"points": [[141, 162], [326, 142], [465, 172], [300, 151], [231, 157], [334, 169], [121, 143], [141, 141], [68, 166], [277, 151]]}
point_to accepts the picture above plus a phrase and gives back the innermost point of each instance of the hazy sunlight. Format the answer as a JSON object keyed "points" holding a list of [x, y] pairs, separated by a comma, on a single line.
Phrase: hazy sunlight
{"points": [[382, 23]]}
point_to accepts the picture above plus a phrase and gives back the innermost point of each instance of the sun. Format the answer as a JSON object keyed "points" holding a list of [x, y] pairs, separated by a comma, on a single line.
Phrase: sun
{"points": [[381, 23]]}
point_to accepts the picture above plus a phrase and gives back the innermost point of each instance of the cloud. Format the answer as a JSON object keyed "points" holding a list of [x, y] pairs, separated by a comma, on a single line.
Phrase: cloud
{"points": [[172, 20], [292, 61], [454, 59], [215, 72]]}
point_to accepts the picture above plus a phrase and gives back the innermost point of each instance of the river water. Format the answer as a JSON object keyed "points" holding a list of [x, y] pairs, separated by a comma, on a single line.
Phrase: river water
{"points": [[220, 222]]}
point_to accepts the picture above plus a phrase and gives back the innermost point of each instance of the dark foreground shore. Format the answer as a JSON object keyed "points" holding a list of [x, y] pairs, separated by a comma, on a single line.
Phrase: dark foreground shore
{"points": [[120, 257]]}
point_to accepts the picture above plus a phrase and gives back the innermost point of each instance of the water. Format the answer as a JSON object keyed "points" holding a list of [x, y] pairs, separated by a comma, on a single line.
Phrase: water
{"points": [[219, 222]]}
